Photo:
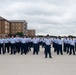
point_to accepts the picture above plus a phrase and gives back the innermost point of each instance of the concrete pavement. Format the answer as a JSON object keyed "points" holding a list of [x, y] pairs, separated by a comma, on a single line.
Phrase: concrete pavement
{"points": [[37, 65]]}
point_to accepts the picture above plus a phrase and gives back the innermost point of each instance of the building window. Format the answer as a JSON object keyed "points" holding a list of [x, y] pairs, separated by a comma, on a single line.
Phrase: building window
{"points": [[6, 27], [13, 28], [19, 24], [0, 30], [13, 24], [19, 28], [6, 22], [6, 31], [13, 32]]}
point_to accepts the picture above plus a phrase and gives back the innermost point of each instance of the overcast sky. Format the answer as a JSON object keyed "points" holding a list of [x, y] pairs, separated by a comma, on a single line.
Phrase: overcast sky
{"points": [[54, 17]]}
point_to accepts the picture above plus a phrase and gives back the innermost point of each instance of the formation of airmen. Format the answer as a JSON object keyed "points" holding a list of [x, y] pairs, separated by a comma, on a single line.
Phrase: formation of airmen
{"points": [[22, 45]]}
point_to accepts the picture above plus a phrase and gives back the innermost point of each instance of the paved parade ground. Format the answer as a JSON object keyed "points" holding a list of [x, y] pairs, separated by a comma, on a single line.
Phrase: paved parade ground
{"points": [[37, 64]]}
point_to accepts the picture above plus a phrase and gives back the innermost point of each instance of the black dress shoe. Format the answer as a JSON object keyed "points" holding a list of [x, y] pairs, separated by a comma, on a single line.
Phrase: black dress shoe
{"points": [[11, 54], [21, 53], [50, 57], [45, 57]]}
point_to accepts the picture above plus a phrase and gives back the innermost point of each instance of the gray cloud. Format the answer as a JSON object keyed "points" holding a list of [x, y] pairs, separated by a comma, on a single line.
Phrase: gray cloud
{"points": [[56, 17]]}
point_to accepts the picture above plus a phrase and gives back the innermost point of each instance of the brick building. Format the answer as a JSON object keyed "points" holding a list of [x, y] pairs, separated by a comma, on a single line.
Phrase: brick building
{"points": [[12, 26], [18, 26], [4, 26], [31, 32]]}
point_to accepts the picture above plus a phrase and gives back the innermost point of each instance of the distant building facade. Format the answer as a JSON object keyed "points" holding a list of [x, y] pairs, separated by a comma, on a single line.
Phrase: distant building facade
{"points": [[18, 26], [31, 32], [12, 26], [4, 26]]}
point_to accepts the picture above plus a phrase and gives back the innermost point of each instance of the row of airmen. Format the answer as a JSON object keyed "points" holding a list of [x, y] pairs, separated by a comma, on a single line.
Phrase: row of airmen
{"points": [[67, 45], [15, 44], [24, 44], [60, 45]]}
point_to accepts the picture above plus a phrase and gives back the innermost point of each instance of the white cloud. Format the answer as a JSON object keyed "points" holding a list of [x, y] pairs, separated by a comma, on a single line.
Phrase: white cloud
{"points": [[55, 17]]}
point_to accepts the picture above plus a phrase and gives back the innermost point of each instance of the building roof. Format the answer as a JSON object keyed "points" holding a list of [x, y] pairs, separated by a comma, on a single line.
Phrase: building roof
{"points": [[17, 20], [31, 29], [1, 18]]}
